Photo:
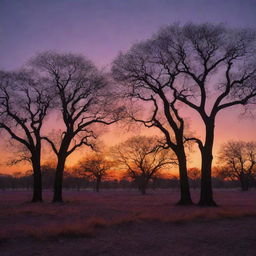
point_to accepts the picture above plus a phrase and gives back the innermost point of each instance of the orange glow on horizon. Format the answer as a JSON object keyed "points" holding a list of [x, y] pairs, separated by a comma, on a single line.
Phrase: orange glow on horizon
{"points": [[227, 128]]}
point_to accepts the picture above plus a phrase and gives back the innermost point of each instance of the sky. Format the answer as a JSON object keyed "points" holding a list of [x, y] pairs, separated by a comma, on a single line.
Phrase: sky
{"points": [[99, 29]]}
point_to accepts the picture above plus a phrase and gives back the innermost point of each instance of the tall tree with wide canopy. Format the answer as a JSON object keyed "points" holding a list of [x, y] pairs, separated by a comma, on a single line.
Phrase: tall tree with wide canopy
{"points": [[217, 67], [206, 67], [24, 103], [81, 95], [148, 79]]}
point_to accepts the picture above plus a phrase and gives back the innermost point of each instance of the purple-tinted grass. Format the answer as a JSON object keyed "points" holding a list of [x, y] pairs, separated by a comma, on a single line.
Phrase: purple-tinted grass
{"points": [[84, 213]]}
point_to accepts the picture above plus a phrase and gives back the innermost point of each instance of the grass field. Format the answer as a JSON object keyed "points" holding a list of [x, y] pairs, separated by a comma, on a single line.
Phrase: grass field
{"points": [[127, 223]]}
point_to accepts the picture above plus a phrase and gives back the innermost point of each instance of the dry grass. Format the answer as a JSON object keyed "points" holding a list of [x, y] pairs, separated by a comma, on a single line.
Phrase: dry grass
{"points": [[90, 227], [229, 214], [86, 212], [66, 230]]}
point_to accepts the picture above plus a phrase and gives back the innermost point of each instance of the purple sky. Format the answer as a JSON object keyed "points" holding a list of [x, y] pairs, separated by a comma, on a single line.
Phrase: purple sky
{"points": [[101, 28]]}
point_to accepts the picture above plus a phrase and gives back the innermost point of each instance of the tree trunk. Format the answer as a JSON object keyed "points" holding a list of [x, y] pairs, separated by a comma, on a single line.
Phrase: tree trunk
{"points": [[185, 197], [142, 185], [57, 197], [98, 184], [206, 197], [143, 188], [244, 182], [37, 179]]}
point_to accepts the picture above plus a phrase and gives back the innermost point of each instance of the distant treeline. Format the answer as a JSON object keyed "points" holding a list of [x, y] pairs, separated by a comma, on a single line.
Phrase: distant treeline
{"points": [[73, 182]]}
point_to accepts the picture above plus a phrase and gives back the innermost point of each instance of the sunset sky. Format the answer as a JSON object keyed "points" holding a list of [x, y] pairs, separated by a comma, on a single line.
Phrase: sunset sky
{"points": [[99, 29]]}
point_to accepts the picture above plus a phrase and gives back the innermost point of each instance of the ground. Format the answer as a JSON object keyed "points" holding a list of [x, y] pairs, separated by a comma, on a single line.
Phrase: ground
{"points": [[126, 223]]}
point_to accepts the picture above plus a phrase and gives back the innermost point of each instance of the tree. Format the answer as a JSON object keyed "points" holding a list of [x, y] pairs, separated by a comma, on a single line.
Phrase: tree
{"points": [[214, 69], [95, 167], [24, 103], [81, 94], [142, 159], [218, 67], [194, 175], [238, 160], [148, 79], [48, 172]]}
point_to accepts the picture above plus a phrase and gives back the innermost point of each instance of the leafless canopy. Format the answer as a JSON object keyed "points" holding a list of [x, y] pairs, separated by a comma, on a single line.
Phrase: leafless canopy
{"points": [[142, 159], [192, 64], [206, 67], [24, 102], [94, 166], [82, 98], [238, 160], [80, 92], [143, 70]]}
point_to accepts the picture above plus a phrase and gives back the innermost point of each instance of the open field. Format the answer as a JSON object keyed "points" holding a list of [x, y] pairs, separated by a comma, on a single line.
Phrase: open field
{"points": [[127, 223]]}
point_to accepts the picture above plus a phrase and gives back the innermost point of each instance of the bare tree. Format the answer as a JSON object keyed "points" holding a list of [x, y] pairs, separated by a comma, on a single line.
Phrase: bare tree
{"points": [[24, 102], [214, 69], [238, 161], [194, 175], [95, 167], [148, 77], [217, 65], [81, 94], [142, 159]]}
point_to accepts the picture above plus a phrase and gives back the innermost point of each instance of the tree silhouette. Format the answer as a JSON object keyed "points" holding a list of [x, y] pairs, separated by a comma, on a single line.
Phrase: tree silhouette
{"points": [[214, 69], [81, 96], [142, 159], [218, 67], [148, 80], [95, 167], [24, 102], [238, 161], [194, 175]]}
